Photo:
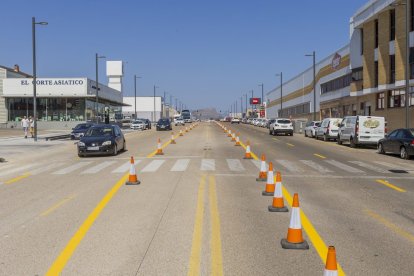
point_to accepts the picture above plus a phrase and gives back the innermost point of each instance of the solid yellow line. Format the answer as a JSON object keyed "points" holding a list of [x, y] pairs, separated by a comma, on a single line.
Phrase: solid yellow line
{"points": [[215, 242], [195, 258], [64, 256], [290, 145], [390, 225], [57, 205], [389, 185], [13, 180], [320, 156], [275, 139]]}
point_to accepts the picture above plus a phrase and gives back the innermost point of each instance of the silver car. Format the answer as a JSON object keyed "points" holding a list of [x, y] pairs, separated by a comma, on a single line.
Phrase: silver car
{"points": [[311, 127]]}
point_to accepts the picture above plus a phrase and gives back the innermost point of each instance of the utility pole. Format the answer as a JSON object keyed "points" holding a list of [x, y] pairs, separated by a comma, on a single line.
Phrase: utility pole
{"points": [[313, 55]]}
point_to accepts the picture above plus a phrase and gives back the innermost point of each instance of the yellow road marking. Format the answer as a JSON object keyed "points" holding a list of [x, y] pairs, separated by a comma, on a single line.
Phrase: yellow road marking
{"points": [[64, 256], [13, 180], [215, 242], [389, 185], [57, 205], [290, 145], [320, 156], [390, 225], [195, 258], [275, 139]]}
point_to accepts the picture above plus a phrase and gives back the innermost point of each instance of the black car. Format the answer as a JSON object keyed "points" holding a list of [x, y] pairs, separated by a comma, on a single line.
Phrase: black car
{"points": [[164, 124], [79, 130], [147, 123], [102, 139], [400, 141]]}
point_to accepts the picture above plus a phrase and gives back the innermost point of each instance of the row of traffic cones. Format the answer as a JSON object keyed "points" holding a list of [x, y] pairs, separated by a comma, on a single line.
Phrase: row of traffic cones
{"points": [[294, 238]]}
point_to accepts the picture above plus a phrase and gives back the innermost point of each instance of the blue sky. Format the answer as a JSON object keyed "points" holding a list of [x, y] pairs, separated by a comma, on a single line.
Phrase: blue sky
{"points": [[206, 53]]}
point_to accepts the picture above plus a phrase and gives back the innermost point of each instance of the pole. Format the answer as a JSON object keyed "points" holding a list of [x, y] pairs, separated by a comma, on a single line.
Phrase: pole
{"points": [[246, 103], [135, 89], [314, 85], [407, 62], [281, 94], [241, 106], [34, 78], [97, 87], [154, 117]]}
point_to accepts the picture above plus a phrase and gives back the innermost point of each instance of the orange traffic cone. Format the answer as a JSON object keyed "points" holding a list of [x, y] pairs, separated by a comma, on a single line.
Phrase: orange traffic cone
{"points": [[132, 178], [229, 133], [186, 129], [262, 174], [159, 148], [294, 238], [237, 141], [331, 267], [270, 183], [248, 154], [172, 138], [278, 204], [181, 133], [233, 137], [225, 129]]}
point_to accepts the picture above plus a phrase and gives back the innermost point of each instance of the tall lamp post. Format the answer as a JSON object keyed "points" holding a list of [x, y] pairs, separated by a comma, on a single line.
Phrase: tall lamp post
{"points": [[135, 89], [97, 57], [34, 23], [281, 92], [241, 106], [313, 55], [261, 101], [246, 103], [154, 116]]}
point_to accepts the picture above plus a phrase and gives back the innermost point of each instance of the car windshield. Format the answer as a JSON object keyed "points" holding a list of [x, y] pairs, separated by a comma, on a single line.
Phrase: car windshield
{"points": [[317, 124], [411, 131], [283, 121], [163, 121], [99, 131], [137, 122], [82, 126]]}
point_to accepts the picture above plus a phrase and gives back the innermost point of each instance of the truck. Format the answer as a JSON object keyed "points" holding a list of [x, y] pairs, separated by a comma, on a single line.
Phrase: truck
{"points": [[186, 114]]}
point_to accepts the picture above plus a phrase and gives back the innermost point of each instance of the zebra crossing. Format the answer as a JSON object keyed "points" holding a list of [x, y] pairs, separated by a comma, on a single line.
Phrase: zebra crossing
{"points": [[306, 167]]}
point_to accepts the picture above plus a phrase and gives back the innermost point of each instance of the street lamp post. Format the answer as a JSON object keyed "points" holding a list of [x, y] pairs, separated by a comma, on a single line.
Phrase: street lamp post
{"points": [[154, 116], [241, 106], [245, 95], [313, 55], [261, 101], [281, 92], [97, 57], [135, 89], [407, 62], [34, 23]]}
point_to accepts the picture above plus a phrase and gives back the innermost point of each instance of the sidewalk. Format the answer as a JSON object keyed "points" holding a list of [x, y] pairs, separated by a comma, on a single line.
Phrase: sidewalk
{"points": [[13, 133]]}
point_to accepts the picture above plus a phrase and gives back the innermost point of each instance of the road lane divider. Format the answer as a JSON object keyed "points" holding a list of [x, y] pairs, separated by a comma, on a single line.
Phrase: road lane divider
{"points": [[320, 156], [215, 243], [57, 205], [270, 183], [18, 178], [278, 204], [331, 267], [132, 177], [290, 145], [262, 173], [389, 185]]}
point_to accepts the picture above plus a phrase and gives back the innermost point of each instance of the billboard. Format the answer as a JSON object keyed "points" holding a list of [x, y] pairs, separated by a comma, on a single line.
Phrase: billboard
{"points": [[255, 101]]}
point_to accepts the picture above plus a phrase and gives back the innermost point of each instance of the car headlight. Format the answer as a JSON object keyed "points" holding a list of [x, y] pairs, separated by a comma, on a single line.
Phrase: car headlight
{"points": [[81, 144], [106, 143]]}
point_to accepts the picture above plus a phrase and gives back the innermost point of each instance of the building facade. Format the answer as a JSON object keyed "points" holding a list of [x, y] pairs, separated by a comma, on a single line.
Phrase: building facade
{"points": [[147, 108]]}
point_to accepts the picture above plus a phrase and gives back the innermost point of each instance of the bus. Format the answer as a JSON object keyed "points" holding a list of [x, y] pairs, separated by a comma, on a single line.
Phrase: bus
{"points": [[186, 114]]}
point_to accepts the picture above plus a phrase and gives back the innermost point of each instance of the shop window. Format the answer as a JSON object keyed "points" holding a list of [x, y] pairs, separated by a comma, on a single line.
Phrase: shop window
{"points": [[392, 68], [396, 98], [392, 25], [381, 100]]}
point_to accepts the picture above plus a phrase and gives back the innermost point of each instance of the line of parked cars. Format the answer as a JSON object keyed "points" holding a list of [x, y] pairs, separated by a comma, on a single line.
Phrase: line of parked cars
{"points": [[275, 126]]}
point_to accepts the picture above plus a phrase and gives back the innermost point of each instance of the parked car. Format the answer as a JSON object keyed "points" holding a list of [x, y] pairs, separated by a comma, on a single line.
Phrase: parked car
{"points": [[284, 126], [263, 123], [269, 122], [164, 124], [102, 139], [400, 141], [147, 123], [138, 124], [235, 121], [79, 130], [257, 122], [126, 123], [179, 121], [310, 128], [361, 130], [328, 129]]}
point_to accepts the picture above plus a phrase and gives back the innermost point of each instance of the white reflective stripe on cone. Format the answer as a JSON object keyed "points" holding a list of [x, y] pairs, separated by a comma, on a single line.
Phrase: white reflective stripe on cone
{"points": [[330, 272], [248, 149], [270, 178], [278, 190], [263, 166], [132, 169], [295, 219]]}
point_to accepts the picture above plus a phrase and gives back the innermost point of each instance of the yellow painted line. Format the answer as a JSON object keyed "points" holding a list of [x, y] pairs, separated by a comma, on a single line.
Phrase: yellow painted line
{"points": [[275, 139], [195, 257], [13, 180], [290, 145], [399, 231], [389, 185], [320, 156], [57, 205], [215, 242], [65, 255]]}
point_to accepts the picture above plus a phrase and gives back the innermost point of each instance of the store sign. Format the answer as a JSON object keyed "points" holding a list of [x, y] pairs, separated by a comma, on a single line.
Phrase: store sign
{"points": [[336, 61], [255, 101], [51, 82]]}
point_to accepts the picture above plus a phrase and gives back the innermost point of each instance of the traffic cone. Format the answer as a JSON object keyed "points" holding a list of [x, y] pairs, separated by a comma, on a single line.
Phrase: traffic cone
{"points": [[331, 267], [278, 204], [294, 238], [159, 148], [132, 178], [186, 129], [181, 133], [237, 141], [248, 154], [262, 174], [229, 133], [172, 138], [270, 183], [233, 137], [225, 129]]}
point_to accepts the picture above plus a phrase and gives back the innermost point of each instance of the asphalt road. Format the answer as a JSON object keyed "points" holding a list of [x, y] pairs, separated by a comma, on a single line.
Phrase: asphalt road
{"points": [[199, 209]]}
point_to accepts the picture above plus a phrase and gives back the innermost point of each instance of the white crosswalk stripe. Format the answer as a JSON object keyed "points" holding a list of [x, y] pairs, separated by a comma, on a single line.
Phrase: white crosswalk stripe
{"points": [[369, 166], [180, 165], [72, 168], [153, 166], [208, 165], [289, 165], [316, 166], [343, 166], [18, 169], [99, 167], [235, 165], [125, 167], [256, 163], [46, 168]]}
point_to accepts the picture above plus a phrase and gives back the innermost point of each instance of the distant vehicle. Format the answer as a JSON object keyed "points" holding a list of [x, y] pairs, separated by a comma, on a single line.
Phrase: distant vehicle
{"points": [[102, 139], [79, 130], [164, 124], [126, 123], [400, 141], [361, 130], [147, 123], [269, 122], [179, 121], [310, 128], [186, 114], [235, 121], [138, 124], [328, 129], [284, 126]]}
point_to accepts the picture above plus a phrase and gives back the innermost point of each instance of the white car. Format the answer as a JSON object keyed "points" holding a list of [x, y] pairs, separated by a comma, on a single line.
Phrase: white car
{"points": [[310, 128], [235, 121], [356, 130], [137, 124], [280, 125], [328, 129], [179, 121]]}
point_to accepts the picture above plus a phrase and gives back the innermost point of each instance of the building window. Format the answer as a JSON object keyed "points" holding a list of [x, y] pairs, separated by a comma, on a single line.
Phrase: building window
{"points": [[336, 84], [381, 100], [376, 74], [294, 110], [392, 69], [357, 74], [362, 41], [411, 63], [396, 98], [376, 33], [412, 15], [392, 25]]}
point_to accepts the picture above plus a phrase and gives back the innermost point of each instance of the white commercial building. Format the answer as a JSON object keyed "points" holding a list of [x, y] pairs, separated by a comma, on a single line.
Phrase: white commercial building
{"points": [[146, 108]]}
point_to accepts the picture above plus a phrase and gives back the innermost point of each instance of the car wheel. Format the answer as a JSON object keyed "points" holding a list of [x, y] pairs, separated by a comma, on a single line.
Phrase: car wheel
{"points": [[115, 150], [352, 143], [325, 138], [125, 147], [306, 135], [270, 132], [338, 140], [80, 154], [291, 134], [380, 149], [404, 154]]}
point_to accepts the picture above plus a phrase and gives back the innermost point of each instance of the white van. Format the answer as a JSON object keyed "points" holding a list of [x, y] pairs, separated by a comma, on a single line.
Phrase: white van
{"points": [[328, 129], [361, 130]]}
